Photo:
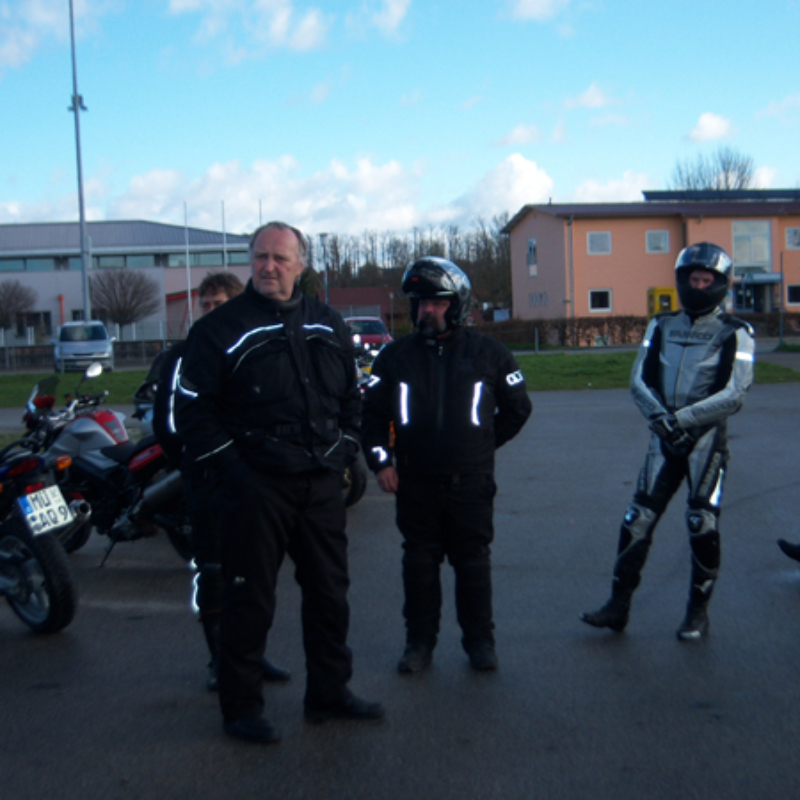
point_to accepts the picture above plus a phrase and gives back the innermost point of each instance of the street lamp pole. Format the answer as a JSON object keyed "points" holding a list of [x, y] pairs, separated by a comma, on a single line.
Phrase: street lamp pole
{"points": [[323, 237], [76, 107]]}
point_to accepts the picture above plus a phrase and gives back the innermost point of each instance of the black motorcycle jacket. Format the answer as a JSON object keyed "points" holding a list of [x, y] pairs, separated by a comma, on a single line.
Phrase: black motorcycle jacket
{"points": [[271, 382], [698, 368], [442, 406]]}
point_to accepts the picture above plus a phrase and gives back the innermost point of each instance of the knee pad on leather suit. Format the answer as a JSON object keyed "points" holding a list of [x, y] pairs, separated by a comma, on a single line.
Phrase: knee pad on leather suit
{"points": [[704, 539], [635, 536]]}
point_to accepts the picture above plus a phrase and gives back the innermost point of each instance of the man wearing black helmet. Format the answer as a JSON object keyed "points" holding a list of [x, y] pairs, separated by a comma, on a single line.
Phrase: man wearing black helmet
{"points": [[438, 404], [692, 372]]}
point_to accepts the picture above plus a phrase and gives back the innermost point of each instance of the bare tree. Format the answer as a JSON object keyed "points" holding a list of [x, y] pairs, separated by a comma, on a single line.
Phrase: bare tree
{"points": [[15, 300], [725, 170], [124, 296]]}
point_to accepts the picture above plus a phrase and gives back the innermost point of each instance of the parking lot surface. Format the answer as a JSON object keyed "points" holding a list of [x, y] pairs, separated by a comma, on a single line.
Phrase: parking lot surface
{"points": [[115, 706]]}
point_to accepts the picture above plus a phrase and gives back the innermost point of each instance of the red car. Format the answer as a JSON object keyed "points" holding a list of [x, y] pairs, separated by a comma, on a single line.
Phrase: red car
{"points": [[372, 331]]}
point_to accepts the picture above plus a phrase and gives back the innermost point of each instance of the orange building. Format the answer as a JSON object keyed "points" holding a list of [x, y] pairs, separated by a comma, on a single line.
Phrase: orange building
{"points": [[587, 259]]}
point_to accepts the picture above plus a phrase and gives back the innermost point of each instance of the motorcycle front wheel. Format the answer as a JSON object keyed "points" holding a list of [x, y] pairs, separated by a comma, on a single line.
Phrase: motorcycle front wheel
{"points": [[39, 582]]}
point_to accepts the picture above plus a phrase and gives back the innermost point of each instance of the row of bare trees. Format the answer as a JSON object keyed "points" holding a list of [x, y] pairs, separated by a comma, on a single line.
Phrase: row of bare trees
{"points": [[376, 258]]}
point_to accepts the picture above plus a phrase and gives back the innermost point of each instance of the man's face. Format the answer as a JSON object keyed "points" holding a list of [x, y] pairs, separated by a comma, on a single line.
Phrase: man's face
{"points": [[211, 300], [430, 316], [276, 263], [701, 279]]}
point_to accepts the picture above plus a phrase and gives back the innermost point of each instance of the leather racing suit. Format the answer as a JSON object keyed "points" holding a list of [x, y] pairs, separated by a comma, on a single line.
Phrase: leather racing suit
{"points": [[699, 369]]}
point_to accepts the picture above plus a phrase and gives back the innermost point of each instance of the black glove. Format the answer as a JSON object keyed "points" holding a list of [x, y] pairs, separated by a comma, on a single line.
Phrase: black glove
{"points": [[674, 439]]}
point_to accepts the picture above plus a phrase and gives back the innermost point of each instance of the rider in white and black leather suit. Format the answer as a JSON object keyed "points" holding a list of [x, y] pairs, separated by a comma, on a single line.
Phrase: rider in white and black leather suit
{"points": [[692, 372]]}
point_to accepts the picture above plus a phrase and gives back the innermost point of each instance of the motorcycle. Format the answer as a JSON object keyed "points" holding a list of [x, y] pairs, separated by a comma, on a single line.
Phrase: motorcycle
{"points": [[36, 576], [130, 486]]}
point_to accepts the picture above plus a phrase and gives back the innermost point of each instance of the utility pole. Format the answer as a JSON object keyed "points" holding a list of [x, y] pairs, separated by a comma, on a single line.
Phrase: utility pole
{"points": [[76, 108]]}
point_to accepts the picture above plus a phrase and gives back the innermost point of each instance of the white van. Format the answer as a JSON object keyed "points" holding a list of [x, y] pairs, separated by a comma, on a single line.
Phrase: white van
{"points": [[81, 343]]}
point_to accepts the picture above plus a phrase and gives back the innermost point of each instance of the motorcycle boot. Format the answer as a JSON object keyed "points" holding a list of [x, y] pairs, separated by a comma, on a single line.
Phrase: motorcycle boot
{"points": [[705, 543], [635, 538], [474, 612], [421, 609]]}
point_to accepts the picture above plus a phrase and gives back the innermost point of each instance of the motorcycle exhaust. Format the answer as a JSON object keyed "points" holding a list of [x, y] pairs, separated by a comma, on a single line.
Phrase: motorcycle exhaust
{"points": [[81, 512], [157, 495]]}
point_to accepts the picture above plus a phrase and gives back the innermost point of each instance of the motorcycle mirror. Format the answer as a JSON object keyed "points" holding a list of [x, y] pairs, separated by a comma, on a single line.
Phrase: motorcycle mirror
{"points": [[92, 371]]}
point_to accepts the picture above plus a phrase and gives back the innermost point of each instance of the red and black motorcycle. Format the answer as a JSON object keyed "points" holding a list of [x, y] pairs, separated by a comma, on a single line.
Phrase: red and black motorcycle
{"points": [[36, 576], [132, 490]]}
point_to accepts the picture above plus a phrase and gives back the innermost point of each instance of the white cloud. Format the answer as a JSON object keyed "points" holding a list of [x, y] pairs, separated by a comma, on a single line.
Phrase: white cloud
{"points": [[390, 16], [765, 177], [538, 10], [511, 184], [384, 15], [27, 26], [341, 198], [782, 109], [521, 134], [593, 97], [273, 23], [627, 189], [711, 127]]}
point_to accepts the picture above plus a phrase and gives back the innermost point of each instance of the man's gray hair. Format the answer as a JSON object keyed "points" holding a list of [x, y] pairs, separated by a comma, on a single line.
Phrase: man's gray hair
{"points": [[302, 246]]}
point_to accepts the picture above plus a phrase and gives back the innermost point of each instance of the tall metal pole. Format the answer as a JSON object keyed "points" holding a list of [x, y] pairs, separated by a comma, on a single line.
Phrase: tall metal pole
{"points": [[224, 239], [323, 237], [76, 107], [189, 300]]}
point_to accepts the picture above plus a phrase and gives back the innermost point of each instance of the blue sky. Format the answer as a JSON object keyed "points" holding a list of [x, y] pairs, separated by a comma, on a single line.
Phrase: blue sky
{"points": [[353, 115]]}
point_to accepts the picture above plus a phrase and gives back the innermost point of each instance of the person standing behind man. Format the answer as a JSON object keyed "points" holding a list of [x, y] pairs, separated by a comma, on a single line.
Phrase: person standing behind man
{"points": [[201, 485], [692, 372], [267, 396], [438, 404]]}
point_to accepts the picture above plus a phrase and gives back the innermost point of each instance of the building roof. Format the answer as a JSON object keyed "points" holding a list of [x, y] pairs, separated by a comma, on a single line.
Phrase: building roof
{"points": [[674, 208], [114, 236]]}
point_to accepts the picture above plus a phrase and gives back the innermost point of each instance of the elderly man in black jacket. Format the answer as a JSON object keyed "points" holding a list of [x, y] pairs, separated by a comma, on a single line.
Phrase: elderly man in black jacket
{"points": [[268, 396]]}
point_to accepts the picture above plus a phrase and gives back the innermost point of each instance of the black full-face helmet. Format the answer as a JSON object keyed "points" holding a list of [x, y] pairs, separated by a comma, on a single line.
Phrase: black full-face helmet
{"points": [[715, 260], [431, 277]]}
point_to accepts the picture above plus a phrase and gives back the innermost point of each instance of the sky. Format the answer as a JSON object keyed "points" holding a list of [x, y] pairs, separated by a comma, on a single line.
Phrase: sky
{"points": [[344, 116]]}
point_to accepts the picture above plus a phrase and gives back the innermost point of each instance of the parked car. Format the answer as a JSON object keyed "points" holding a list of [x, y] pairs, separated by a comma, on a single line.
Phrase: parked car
{"points": [[372, 331], [82, 343]]}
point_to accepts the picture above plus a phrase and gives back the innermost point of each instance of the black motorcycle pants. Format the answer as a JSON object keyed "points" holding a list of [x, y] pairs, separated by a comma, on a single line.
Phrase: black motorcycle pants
{"points": [[265, 516], [447, 516]]}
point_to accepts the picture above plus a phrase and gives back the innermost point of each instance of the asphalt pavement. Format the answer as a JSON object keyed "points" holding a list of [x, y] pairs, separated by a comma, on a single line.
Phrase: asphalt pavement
{"points": [[115, 706]]}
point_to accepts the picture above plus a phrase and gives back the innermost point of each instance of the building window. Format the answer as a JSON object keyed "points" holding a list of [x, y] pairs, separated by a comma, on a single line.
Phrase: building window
{"points": [[658, 241], [793, 294], [598, 243], [751, 247], [12, 264], [238, 257], [206, 259], [533, 269], [537, 299], [793, 238], [40, 264], [599, 300], [109, 262], [141, 261]]}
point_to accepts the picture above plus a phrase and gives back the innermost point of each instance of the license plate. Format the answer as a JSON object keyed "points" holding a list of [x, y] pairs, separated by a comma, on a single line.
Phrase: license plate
{"points": [[45, 510]]}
